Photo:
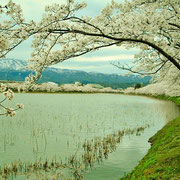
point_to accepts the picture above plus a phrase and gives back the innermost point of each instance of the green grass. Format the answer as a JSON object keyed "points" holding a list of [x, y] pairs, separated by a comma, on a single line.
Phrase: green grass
{"points": [[163, 97], [163, 158], [174, 99]]}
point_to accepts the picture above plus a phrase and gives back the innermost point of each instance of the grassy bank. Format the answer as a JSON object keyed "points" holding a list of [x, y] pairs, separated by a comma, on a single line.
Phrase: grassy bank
{"points": [[174, 99], [163, 158]]}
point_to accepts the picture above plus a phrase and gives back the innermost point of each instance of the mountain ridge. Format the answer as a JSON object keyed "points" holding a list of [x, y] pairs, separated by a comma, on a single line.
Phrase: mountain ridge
{"points": [[14, 70]]}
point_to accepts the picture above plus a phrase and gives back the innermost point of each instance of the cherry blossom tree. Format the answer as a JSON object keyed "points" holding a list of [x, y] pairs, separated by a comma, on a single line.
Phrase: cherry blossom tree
{"points": [[151, 25], [13, 31]]}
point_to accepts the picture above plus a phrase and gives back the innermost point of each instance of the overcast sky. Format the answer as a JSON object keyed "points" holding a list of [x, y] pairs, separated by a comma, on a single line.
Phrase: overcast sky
{"points": [[98, 61]]}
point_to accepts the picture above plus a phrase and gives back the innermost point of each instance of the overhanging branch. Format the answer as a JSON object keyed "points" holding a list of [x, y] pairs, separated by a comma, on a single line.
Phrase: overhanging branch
{"points": [[120, 40]]}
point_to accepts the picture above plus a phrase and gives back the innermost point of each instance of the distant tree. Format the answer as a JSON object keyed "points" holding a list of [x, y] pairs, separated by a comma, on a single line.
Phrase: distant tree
{"points": [[137, 86]]}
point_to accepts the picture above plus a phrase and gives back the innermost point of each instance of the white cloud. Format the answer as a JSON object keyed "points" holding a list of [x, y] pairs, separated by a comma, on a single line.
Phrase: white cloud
{"points": [[121, 48], [104, 58], [73, 67], [104, 68]]}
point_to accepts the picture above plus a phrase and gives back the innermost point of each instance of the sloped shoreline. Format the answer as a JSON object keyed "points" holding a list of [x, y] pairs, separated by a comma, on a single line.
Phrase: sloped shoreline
{"points": [[163, 158]]}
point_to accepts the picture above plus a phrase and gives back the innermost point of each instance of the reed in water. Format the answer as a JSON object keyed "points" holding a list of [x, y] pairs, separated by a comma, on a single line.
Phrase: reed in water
{"points": [[94, 151]]}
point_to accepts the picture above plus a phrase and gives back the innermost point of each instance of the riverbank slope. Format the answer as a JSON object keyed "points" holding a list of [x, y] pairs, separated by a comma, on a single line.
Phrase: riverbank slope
{"points": [[163, 158]]}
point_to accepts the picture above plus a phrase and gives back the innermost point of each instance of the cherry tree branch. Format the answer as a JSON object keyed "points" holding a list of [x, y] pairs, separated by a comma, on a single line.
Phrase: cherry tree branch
{"points": [[120, 40], [130, 69]]}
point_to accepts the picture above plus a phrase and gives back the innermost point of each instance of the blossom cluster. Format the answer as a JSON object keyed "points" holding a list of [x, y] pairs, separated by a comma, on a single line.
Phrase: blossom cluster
{"points": [[13, 28], [8, 95], [159, 88]]}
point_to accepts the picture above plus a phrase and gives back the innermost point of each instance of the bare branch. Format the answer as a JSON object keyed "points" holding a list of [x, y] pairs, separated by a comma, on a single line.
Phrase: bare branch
{"points": [[130, 69]]}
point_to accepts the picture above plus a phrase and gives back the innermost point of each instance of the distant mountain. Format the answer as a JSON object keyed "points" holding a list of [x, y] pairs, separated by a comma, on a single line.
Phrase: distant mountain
{"points": [[14, 70], [13, 64]]}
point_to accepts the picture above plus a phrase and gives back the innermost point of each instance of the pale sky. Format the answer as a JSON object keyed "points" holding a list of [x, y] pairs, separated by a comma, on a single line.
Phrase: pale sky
{"points": [[98, 61]]}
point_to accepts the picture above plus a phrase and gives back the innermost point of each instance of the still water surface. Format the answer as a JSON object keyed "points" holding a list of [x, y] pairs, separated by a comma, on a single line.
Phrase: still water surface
{"points": [[56, 125]]}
